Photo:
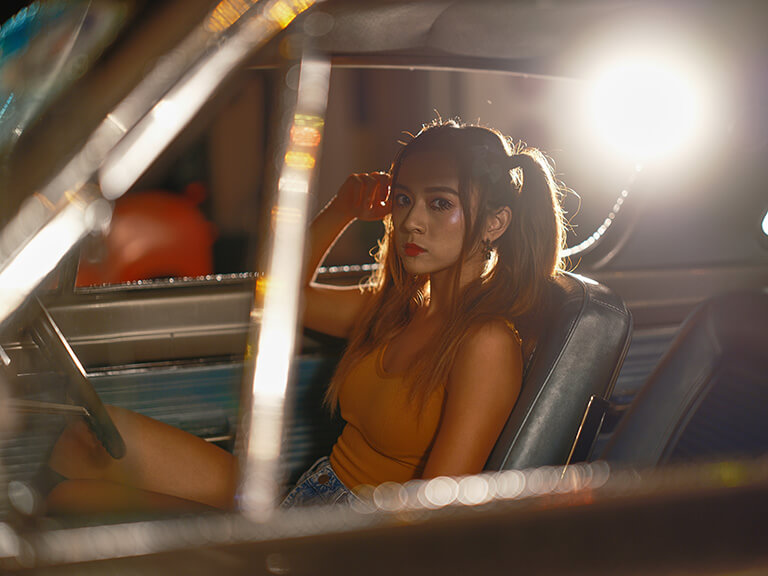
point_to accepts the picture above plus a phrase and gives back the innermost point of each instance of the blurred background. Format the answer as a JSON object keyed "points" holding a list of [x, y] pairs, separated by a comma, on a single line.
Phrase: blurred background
{"points": [[698, 199], [660, 144]]}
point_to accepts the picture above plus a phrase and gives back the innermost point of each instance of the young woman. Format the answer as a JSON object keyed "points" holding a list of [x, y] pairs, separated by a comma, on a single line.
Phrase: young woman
{"points": [[434, 361]]}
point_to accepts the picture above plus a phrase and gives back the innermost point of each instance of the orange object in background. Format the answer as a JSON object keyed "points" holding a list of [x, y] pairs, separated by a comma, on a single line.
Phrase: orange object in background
{"points": [[154, 234]]}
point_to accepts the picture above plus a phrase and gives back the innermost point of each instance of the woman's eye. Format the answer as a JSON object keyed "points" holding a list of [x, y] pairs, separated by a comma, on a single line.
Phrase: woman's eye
{"points": [[441, 204], [402, 200]]}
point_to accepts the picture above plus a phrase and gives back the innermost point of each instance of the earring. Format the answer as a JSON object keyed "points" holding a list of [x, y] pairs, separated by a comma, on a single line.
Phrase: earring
{"points": [[486, 248]]}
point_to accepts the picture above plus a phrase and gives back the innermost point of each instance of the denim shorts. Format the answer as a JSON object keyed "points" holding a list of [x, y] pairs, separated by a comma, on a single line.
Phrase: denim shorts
{"points": [[319, 485]]}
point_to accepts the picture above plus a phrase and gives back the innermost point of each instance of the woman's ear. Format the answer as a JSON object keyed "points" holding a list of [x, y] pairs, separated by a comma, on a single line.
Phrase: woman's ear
{"points": [[497, 223]]}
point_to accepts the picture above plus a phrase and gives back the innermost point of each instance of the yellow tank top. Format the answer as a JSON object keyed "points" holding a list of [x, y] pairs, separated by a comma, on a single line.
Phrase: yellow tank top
{"points": [[388, 436]]}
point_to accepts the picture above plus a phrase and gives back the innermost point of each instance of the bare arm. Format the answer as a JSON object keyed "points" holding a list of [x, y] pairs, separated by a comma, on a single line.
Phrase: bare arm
{"points": [[482, 390], [330, 309]]}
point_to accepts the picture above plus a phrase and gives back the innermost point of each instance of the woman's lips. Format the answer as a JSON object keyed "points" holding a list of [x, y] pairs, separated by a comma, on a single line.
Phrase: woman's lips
{"points": [[413, 249]]}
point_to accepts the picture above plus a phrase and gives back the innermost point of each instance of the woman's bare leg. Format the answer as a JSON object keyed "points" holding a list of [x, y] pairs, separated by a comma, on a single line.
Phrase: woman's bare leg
{"points": [[159, 458], [77, 497]]}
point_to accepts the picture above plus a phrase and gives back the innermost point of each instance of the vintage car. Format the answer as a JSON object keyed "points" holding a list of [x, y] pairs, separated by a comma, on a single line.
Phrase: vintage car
{"points": [[159, 162]]}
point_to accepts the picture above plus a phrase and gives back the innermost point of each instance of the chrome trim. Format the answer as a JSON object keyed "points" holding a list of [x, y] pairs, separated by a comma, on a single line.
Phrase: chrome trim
{"points": [[39, 236], [38, 407], [273, 333]]}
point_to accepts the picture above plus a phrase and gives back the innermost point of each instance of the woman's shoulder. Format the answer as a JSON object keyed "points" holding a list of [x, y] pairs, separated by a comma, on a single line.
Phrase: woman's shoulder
{"points": [[490, 343], [489, 356], [495, 330]]}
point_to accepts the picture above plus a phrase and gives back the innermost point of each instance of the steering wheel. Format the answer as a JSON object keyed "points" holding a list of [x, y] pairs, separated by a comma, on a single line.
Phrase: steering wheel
{"points": [[52, 343]]}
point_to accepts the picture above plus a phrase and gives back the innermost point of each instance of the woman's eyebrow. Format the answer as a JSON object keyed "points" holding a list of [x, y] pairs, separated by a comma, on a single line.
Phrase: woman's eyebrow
{"points": [[447, 189], [428, 189]]}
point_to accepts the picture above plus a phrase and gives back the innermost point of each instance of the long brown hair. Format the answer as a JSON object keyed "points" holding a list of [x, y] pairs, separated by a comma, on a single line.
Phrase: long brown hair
{"points": [[493, 173]]}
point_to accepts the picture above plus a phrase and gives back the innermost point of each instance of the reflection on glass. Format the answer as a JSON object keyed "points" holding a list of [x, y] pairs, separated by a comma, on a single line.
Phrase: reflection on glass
{"points": [[227, 13], [57, 231], [43, 49], [296, 159], [284, 11], [275, 335]]}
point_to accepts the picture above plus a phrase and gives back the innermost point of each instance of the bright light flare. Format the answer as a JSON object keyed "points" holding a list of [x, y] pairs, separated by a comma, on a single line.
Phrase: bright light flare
{"points": [[765, 223], [647, 108]]}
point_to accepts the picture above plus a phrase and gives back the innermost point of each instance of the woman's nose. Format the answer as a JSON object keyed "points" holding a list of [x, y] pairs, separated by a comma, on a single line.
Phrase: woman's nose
{"points": [[414, 219]]}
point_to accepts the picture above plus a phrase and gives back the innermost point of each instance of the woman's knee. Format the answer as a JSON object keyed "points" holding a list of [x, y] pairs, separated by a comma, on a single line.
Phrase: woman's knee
{"points": [[77, 452]]}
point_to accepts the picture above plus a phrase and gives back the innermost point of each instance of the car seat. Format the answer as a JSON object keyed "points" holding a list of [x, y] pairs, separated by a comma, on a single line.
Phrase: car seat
{"points": [[568, 377], [706, 398]]}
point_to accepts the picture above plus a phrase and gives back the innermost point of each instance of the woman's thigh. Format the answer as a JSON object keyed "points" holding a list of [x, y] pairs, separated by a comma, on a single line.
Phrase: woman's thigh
{"points": [[78, 497], [159, 458]]}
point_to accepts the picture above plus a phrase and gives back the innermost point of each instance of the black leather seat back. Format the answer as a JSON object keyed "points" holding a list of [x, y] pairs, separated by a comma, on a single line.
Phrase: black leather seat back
{"points": [[578, 355], [707, 396]]}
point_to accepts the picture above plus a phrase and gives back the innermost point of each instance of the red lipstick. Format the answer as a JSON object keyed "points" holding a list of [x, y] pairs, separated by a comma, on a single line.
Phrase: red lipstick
{"points": [[413, 249]]}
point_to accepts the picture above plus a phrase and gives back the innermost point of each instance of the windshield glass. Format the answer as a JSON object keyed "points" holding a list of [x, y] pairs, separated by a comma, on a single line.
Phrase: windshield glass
{"points": [[43, 49]]}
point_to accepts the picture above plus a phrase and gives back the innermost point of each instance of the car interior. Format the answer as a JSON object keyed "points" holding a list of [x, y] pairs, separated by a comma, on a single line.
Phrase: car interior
{"points": [[652, 352]]}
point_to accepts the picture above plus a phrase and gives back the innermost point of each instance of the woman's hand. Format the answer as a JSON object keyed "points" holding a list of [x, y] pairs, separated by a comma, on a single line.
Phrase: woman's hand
{"points": [[365, 196], [335, 309]]}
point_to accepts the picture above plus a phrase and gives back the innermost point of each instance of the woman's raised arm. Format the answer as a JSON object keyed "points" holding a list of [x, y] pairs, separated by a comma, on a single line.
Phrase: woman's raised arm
{"points": [[333, 309]]}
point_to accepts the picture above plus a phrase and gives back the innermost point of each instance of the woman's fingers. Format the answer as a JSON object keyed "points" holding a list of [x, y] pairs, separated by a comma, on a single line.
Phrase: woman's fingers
{"points": [[349, 196], [375, 194], [365, 196]]}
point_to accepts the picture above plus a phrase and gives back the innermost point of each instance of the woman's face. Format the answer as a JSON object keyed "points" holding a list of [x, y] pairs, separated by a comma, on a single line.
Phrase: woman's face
{"points": [[427, 214]]}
